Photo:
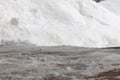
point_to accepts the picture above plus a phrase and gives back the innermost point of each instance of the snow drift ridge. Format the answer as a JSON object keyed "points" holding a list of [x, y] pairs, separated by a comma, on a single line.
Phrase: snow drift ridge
{"points": [[58, 22]]}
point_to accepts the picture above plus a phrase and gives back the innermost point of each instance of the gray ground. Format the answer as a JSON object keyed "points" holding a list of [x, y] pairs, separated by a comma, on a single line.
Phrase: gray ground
{"points": [[23, 62]]}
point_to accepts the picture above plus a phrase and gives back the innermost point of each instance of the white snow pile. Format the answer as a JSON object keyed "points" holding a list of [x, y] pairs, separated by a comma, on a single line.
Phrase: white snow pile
{"points": [[58, 22], [113, 5]]}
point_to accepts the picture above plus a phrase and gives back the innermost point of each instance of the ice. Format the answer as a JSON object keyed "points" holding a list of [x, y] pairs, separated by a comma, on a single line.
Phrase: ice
{"points": [[58, 63]]}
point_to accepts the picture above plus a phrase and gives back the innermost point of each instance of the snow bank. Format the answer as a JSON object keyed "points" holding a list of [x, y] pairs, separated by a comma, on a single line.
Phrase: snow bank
{"points": [[112, 5], [58, 22]]}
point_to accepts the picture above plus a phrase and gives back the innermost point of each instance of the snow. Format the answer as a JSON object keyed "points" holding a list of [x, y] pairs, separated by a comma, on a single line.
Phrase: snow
{"points": [[24, 62], [58, 22], [112, 5]]}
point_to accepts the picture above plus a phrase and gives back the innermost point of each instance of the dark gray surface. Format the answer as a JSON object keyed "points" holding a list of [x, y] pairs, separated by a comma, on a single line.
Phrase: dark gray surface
{"points": [[23, 62]]}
